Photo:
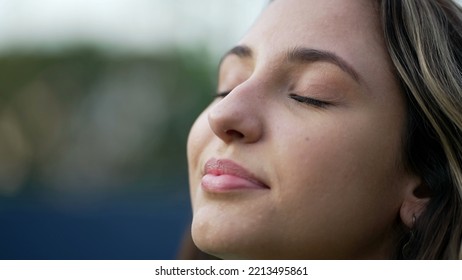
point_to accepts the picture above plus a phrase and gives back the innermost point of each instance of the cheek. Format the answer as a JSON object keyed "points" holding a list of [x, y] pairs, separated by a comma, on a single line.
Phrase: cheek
{"points": [[199, 138], [343, 154], [345, 172]]}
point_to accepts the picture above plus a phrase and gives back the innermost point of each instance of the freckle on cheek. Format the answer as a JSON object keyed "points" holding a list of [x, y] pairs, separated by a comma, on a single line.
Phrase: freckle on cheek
{"points": [[307, 139]]}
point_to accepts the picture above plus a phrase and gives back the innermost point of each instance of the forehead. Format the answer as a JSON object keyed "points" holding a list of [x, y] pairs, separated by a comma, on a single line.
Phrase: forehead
{"points": [[333, 17], [348, 28]]}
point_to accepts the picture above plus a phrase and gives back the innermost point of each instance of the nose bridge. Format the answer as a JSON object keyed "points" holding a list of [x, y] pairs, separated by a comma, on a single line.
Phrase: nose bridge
{"points": [[238, 116]]}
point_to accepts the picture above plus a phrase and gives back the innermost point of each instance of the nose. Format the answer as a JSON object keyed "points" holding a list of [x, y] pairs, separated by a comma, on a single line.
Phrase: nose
{"points": [[236, 118]]}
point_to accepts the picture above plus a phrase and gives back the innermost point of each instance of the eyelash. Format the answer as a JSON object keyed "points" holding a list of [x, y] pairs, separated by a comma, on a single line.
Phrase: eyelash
{"points": [[221, 94], [310, 101], [302, 99]]}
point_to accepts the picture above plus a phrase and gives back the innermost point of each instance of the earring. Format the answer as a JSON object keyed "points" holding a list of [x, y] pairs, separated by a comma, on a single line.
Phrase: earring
{"points": [[407, 246]]}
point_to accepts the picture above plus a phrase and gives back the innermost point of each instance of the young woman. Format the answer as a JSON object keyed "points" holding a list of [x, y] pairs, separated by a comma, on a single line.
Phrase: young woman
{"points": [[336, 133]]}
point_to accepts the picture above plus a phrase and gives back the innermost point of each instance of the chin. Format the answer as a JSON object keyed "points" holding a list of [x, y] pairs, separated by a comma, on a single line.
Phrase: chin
{"points": [[213, 244], [212, 237], [224, 240]]}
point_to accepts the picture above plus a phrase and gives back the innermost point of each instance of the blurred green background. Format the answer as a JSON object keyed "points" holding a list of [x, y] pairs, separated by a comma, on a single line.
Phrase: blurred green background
{"points": [[96, 101]]}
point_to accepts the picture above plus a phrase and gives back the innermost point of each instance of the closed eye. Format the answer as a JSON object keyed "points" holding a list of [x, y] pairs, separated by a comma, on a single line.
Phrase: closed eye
{"points": [[310, 101], [221, 94], [302, 99]]}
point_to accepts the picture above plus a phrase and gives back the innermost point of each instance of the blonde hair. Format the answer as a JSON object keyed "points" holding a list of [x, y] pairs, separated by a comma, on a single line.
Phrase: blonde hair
{"points": [[424, 40]]}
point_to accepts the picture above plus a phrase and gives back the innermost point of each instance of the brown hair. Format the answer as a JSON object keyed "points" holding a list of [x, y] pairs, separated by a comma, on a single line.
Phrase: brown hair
{"points": [[424, 40]]}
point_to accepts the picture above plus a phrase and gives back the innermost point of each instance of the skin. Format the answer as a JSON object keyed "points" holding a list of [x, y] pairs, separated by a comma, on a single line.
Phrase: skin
{"points": [[337, 184]]}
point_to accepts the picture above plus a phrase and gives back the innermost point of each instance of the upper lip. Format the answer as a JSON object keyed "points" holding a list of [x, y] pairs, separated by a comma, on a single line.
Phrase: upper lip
{"points": [[219, 167]]}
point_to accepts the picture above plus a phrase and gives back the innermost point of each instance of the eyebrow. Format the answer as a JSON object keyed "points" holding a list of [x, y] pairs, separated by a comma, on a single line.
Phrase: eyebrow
{"points": [[301, 55], [314, 55], [240, 51]]}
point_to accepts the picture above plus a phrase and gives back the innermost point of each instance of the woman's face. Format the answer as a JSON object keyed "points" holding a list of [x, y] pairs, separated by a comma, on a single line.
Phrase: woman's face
{"points": [[301, 156]]}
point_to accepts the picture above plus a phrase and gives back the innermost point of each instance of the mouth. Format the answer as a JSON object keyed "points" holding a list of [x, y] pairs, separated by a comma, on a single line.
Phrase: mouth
{"points": [[221, 175]]}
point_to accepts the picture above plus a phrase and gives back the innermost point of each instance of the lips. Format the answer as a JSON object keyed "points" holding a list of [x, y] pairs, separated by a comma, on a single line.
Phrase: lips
{"points": [[226, 175]]}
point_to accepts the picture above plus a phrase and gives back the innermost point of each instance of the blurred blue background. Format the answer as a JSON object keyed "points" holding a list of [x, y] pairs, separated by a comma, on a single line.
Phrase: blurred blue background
{"points": [[96, 101]]}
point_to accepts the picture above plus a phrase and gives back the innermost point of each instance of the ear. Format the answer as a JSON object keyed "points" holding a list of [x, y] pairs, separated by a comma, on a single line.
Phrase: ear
{"points": [[416, 198]]}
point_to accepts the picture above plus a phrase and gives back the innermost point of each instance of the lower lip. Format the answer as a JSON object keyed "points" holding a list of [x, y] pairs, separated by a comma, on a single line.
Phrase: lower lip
{"points": [[225, 183]]}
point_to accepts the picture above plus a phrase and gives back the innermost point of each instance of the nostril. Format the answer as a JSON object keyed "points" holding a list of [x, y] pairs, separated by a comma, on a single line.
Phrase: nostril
{"points": [[234, 133], [232, 122]]}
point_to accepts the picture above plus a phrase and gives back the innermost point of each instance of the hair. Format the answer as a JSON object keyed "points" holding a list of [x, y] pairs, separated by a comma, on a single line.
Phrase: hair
{"points": [[424, 40]]}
